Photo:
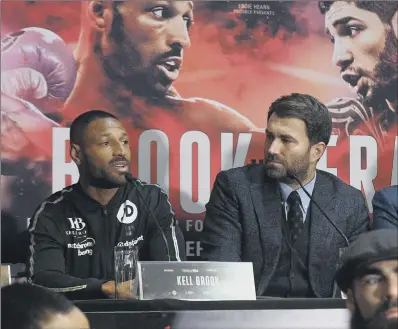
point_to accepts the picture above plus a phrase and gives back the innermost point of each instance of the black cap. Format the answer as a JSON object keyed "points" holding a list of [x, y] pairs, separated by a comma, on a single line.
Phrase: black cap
{"points": [[369, 248]]}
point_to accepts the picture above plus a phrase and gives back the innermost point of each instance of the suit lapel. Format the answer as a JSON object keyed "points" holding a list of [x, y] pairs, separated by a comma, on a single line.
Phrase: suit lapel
{"points": [[322, 233], [267, 205]]}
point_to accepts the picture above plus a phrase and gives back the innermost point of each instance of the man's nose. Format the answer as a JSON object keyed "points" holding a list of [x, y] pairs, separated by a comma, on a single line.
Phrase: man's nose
{"points": [[119, 149], [392, 288], [342, 55], [274, 147], [178, 33]]}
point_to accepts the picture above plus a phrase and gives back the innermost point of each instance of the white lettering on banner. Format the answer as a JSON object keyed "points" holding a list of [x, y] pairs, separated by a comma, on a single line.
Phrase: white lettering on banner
{"points": [[323, 161], [228, 160], [131, 243], [186, 176], [358, 177], [193, 248], [61, 168], [394, 174], [197, 225], [363, 177], [162, 158]]}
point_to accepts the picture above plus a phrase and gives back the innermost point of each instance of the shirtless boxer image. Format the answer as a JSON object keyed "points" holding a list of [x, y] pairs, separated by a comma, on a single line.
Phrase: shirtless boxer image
{"points": [[365, 50], [126, 60]]}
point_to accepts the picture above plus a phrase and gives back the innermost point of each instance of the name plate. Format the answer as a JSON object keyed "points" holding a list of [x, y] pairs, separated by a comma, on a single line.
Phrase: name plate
{"points": [[196, 280]]}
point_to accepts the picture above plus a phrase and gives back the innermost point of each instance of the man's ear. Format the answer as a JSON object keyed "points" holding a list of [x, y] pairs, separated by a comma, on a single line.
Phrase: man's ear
{"points": [[75, 154], [394, 24], [100, 14], [350, 301], [317, 151]]}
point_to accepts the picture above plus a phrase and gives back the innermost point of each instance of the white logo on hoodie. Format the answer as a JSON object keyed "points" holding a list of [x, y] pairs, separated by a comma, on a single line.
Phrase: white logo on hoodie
{"points": [[127, 212]]}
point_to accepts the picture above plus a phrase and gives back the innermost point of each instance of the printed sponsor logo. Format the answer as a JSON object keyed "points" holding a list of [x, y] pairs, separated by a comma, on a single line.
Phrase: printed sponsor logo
{"points": [[127, 212], [130, 243], [87, 243], [84, 252], [84, 247], [76, 233], [77, 224]]}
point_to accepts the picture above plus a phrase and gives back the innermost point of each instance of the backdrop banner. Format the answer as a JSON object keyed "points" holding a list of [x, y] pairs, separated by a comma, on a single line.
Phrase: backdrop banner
{"points": [[192, 82]]}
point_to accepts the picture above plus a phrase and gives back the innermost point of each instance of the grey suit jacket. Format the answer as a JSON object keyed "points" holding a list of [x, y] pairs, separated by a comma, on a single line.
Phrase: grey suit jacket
{"points": [[243, 223]]}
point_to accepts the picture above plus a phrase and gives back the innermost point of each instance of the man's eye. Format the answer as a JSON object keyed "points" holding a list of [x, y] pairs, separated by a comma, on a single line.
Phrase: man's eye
{"points": [[354, 30], [106, 143], [371, 280], [160, 12], [188, 22]]}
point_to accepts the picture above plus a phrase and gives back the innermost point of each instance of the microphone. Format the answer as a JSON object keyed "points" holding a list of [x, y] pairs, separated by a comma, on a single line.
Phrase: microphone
{"points": [[131, 179], [292, 175]]}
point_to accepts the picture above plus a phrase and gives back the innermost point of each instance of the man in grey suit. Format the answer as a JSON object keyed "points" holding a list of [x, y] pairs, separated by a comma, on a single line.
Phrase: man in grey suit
{"points": [[258, 214]]}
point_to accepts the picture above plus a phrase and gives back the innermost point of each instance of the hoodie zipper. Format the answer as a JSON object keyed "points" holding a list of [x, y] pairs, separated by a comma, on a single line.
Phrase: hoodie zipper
{"points": [[106, 259]]}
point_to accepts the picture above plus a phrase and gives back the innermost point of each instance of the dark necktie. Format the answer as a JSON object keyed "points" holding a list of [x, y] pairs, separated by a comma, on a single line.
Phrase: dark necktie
{"points": [[295, 215]]}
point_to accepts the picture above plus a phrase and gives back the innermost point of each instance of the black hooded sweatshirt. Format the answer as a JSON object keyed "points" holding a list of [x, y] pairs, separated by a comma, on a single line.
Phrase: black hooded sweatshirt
{"points": [[72, 237]]}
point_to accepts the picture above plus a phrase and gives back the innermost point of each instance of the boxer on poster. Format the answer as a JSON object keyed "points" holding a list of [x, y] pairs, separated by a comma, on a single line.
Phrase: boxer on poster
{"points": [[128, 56], [365, 50], [129, 69]]}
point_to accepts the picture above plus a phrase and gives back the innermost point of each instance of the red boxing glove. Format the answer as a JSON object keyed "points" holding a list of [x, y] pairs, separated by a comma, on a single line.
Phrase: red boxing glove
{"points": [[46, 55]]}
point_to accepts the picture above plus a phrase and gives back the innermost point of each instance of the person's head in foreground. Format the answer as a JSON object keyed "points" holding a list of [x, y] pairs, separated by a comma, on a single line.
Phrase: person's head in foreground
{"points": [[368, 274], [25, 306]]}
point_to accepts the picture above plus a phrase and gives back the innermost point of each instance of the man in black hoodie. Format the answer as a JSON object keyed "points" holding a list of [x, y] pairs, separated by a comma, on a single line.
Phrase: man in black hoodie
{"points": [[74, 231]]}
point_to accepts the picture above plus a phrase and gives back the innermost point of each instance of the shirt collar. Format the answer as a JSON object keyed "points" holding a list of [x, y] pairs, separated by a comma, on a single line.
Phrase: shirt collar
{"points": [[286, 190]]}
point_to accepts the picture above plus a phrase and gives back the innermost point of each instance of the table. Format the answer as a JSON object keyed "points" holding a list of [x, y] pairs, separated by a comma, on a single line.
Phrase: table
{"points": [[264, 313]]}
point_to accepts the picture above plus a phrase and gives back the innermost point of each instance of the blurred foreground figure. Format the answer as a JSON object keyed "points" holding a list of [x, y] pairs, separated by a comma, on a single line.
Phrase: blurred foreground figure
{"points": [[368, 274], [25, 306]]}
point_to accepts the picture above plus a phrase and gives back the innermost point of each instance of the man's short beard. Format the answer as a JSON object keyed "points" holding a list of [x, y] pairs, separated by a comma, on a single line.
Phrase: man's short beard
{"points": [[104, 183], [99, 178], [386, 75], [378, 321], [299, 168]]}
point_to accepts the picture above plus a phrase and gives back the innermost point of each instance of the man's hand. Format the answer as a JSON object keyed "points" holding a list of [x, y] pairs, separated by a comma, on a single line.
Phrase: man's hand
{"points": [[124, 289]]}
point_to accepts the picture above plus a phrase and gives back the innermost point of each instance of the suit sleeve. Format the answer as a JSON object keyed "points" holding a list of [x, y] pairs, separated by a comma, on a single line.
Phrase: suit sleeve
{"points": [[361, 219], [47, 261], [175, 240], [221, 236], [384, 214]]}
